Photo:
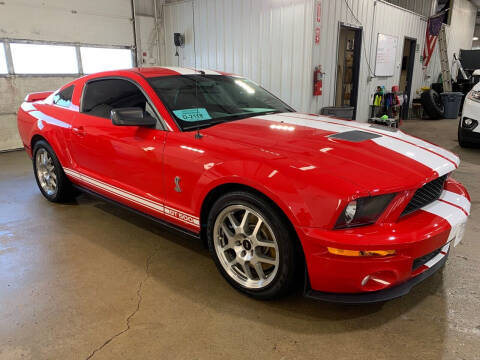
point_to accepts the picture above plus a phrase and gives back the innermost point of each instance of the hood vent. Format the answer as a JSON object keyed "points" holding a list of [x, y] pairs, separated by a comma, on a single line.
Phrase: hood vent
{"points": [[355, 136]]}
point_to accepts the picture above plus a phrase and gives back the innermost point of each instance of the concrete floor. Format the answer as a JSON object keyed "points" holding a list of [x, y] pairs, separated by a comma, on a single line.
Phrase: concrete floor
{"points": [[90, 280]]}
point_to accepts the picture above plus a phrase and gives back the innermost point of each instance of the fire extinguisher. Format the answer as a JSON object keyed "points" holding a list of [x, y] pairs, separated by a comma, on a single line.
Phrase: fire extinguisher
{"points": [[317, 81]]}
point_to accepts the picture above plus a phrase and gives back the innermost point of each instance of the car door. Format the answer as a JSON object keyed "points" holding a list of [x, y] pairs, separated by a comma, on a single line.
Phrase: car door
{"points": [[122, 162]]}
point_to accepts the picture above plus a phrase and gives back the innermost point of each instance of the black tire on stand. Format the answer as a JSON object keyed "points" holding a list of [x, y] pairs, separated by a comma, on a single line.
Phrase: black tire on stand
{"points": [[432, 103]]}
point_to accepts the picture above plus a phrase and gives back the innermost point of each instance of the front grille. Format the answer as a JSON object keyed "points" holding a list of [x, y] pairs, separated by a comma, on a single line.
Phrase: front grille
{"points": [[425, 195], [424, 259]]}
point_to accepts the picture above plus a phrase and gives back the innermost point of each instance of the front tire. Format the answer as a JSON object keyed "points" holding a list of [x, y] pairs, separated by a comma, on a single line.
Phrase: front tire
{"points": [[252, 245], [51, 180]]}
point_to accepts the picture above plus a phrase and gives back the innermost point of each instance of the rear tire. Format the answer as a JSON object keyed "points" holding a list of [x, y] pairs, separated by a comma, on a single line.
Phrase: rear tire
{"points": [[51, 179], [252, 245]]}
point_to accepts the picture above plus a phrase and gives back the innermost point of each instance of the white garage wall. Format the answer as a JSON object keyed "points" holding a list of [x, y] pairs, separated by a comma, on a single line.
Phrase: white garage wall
{"points": [[105, 22], [269, 41]]}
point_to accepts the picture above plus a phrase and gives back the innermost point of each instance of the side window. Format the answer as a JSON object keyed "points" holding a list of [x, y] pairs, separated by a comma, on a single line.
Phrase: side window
{"points": [[64, 98], [101, 96]]}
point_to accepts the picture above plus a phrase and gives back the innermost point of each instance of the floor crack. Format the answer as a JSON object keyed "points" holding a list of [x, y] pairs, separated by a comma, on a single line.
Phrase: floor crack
{"points": [[148, 262]]}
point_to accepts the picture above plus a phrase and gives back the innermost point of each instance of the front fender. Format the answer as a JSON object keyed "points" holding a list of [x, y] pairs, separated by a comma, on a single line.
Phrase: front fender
{"points": [[312, 201], [261, 177]]}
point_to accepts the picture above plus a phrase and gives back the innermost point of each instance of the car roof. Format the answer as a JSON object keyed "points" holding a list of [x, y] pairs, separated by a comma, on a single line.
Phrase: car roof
{"points": [[157, 71], [148, 72]]}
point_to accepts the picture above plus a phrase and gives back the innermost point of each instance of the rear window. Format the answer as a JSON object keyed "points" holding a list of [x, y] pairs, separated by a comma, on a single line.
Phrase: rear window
{"points": [[64, 97]]}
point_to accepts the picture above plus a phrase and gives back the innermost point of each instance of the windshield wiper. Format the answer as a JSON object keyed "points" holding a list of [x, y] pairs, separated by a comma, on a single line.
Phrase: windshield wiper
{"points": [[203, 125]]}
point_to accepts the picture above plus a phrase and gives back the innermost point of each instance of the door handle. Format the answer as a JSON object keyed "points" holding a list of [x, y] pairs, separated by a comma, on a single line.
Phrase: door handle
{"points": [[79, 131]]}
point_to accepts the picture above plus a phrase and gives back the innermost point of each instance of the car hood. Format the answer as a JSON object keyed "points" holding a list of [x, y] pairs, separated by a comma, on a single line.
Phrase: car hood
{"points": [[376, 158]]}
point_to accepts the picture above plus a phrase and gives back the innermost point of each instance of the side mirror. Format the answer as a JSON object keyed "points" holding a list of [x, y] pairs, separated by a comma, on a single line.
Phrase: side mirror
{"points": [[134, 116]]}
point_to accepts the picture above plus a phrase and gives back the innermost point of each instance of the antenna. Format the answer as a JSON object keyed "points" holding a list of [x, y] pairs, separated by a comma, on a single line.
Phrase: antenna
{"points": [[197, 134]]}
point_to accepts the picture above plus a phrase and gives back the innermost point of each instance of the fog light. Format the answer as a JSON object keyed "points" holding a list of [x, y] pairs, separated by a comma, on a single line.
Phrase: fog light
{"points": [[344, 252], [468, 123], [378, 280]]}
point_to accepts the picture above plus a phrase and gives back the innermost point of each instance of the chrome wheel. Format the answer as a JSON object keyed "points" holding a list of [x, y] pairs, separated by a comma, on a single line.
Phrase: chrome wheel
{"points": [[46, 175], [246, 246]]}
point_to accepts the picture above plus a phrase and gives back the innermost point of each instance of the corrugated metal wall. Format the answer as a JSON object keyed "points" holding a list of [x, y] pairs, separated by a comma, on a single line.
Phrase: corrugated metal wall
{"points": [[272, 42]]}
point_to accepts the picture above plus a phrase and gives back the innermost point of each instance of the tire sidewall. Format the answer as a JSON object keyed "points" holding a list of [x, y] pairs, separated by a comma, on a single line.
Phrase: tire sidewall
{"points": [[286, 249]]}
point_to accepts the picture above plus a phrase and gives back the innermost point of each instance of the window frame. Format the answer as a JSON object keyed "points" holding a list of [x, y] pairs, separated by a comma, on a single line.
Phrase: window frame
{"points": [[161, 123], [77, 46]]}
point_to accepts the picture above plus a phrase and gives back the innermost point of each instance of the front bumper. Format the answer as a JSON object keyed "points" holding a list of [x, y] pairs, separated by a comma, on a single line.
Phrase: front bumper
{"points": [[471, 110], [469, 135], [367, 279], [377, 296]]}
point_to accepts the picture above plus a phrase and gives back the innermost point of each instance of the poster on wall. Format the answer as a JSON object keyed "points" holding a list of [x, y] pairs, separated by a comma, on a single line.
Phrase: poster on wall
{"points": [[386, 54]]}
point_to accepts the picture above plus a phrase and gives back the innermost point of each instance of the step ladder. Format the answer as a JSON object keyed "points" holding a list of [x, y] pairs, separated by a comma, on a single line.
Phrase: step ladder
{"points": [[460, 67], [442, 47]]}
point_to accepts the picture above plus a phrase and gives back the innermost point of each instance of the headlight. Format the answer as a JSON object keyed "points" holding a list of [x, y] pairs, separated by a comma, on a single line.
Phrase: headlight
{"points": [[474, 95], [363, 211]]}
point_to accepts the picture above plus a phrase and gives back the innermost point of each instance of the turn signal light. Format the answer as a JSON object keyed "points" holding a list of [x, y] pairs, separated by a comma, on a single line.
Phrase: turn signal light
{"points": [[344, 252]]}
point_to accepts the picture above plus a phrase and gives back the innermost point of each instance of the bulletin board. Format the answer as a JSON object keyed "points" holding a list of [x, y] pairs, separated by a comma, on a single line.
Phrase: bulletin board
{"points": [[386, 54]]}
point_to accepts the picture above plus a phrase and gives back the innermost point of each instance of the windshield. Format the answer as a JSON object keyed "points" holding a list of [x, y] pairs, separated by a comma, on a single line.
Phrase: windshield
{"points": [[197, 101]]}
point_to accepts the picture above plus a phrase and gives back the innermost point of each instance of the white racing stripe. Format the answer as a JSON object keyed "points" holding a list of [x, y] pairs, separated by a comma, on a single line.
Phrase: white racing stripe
{"points": [[425, 157], [445, 153], [189, 71], [305, 122], [398, 134], [165, 210], [446, 211], [440, 161], [438, 257], [452, 214], [456, 199], [181, 70], [116, 191]]}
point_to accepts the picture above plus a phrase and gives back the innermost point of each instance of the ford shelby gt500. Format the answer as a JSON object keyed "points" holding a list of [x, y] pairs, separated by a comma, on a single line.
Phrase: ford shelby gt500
{"points": [[357, 212]]}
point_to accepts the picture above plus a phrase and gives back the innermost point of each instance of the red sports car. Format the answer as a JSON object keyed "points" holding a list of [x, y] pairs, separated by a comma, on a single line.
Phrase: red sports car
{"points": [[360, 212]]}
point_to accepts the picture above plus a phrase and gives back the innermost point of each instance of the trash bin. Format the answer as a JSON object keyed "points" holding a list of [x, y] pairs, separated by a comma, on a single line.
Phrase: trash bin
{"points": [[451, 102], [342, 112]]}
